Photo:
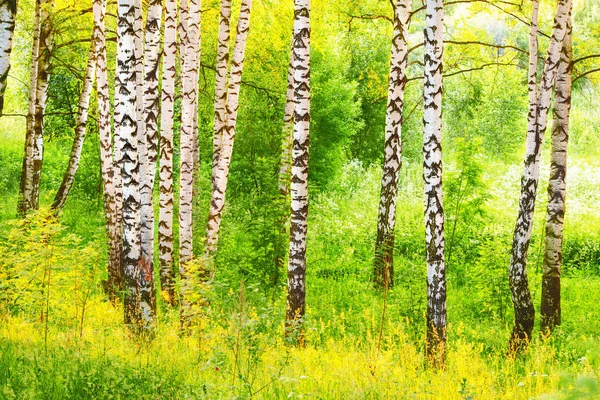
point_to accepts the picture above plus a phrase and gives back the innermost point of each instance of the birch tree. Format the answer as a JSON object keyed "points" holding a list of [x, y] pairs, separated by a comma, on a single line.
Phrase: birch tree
{"points": [[432, 176], [537, 120], [550, 310], [81, 126], [186, 175], [227, 137], [149, 143], [24, 203], [384, 247], [109, 171], [296, 286], [46, 47], [165, 219], [8, 12], [38, 90], [222, 74], [133, 270], [285, 166]]}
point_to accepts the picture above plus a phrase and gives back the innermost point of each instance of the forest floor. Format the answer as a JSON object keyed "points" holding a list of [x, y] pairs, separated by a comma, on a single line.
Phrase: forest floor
{"points": [[61, 338]]}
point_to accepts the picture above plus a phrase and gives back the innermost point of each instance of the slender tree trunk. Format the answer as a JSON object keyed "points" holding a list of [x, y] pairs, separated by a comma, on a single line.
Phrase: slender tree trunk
{"points": [[432, 175], [8, 12], [24, 204], [150, 144], [550, 309], [114, 282], [384, 247], [285, 171], [129, 165], [186, 176], [221, 175], [222, 72], [182, 29], [46, 48], [521, 296], [80, 129], [296, 294], [165, 224]]}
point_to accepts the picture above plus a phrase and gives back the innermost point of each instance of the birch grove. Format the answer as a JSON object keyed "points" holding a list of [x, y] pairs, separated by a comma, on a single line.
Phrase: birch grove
{"points": [[521, 296], [432, 176], [384, 247], [550, 309], [227, 137], [165, 219], [8, 12], [296, 285]]}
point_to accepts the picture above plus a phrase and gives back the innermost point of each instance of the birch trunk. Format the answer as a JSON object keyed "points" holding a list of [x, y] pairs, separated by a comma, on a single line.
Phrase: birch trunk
{"points": [[285, 166], [165, 222], [133, 268], [46, 46], [521, 296], [109, 172], [221, 175], [296, 287], [186, 175], [80, 129], [8, 12], [384, 247], [25, 188], [432, 176], [222, 72], [149, 143], [550, 309]]}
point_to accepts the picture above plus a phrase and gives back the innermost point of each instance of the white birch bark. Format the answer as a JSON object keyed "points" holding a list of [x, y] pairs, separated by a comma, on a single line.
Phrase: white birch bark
{"points": [[432, 176], [81, 126], [8, 12], [149, 149], [296, 285], [285, 169], [165, 225], [221, 175], [187, 142], [129, 164], [190, 92], [222, 74], [521, 296], [557, 189], [384, 247], [109, 170]]}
